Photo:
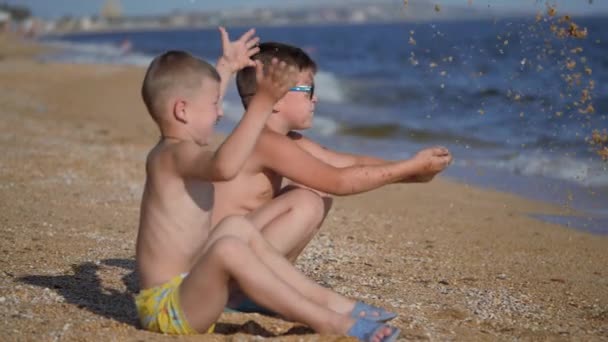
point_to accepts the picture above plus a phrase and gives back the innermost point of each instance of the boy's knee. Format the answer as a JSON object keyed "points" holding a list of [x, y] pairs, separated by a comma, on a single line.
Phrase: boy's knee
{"points": [[233, 220], [239, 227], [227, 248], [311, 205], [235, 223]]}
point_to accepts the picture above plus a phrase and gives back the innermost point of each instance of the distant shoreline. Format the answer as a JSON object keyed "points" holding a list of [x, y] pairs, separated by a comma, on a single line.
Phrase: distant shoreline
{"points": [[317, 24]]}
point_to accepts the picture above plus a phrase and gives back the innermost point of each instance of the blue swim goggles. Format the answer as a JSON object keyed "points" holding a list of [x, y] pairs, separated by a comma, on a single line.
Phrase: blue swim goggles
{"points": [[306, 89]]}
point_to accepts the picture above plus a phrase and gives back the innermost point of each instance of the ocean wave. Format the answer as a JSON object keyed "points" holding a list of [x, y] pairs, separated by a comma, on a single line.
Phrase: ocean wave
{"points": [[507, 95], [388, 92], [233, 110], [417, 135], [95, 53], [325, 126], [586, 172], [328, 87]]}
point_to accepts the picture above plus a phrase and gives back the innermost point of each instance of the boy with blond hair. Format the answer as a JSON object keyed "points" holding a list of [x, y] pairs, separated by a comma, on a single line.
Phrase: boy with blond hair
{"points": [[184, 266]]}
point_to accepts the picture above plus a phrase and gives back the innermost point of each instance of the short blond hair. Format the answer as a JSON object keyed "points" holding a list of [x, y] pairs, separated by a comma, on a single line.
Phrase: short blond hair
{"points": [[170, 71]]}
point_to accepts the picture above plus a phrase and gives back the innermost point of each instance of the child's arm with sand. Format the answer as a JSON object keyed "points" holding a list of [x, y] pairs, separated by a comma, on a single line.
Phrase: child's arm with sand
{"points": [[285, 157], [341, 160], [334, 158], [225, 163]]}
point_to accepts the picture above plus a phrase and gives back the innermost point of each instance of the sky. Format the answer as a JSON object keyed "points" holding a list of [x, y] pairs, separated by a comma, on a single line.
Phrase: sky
{"points": [[58, 8]]}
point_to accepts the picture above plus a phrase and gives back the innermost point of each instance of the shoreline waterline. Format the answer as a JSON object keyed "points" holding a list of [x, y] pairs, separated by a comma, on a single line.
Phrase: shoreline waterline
{"points": [[515, 176]]}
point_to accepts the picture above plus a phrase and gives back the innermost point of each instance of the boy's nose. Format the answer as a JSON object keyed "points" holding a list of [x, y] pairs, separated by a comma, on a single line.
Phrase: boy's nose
{"points": [[314, 99]]}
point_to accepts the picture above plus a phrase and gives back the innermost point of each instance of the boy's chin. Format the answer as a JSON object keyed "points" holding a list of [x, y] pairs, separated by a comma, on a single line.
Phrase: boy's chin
{"points": [[203, 141], [303, 125]]}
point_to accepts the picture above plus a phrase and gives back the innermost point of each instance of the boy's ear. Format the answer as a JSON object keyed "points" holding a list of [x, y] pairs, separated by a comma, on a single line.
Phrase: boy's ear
{"points": [[179, 111], [278, 106]]}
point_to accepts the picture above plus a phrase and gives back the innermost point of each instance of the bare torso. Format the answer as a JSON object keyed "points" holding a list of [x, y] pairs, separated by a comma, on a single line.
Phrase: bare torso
{"points": [[252, 188], [174, 223]]}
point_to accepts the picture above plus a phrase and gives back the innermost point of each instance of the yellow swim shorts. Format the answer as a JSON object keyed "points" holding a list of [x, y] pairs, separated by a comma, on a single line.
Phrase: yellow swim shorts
{"points": [[159, 309]]}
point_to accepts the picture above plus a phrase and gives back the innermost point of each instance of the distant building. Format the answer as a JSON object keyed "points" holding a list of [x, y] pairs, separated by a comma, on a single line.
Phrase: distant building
{"points": [[31, 27], [358, 16], [111, 10], [85, 24], [179, 20], [5, 21]]}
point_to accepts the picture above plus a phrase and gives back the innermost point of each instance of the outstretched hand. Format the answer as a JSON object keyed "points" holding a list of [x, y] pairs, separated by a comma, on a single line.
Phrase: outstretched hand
{"points": [[236, 55], [275, 80], [431, 161]]}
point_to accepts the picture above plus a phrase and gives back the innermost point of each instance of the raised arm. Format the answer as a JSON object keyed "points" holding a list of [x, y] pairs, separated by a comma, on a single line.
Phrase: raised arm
{"points": [[235, 56], [285, 157], [225, 164]]}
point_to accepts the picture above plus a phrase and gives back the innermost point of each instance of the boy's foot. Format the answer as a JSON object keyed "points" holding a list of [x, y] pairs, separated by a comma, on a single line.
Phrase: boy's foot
{"points": [[370, 331], [371, 313]]}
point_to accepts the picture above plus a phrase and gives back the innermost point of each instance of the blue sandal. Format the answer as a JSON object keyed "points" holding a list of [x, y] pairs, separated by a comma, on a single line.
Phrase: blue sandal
{"points": [[365, 330], [368, 312]]}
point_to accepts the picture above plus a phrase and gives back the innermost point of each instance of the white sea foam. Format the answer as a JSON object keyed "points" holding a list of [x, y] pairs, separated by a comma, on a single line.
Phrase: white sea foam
{"points": [[328, 87], [324, 126], [93, 53], [582, 171], [233, 111]]}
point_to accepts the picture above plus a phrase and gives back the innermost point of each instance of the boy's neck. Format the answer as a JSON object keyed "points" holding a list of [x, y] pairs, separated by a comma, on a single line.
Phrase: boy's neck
{"points": [[277, 125], [169, 134], [171, 138]]}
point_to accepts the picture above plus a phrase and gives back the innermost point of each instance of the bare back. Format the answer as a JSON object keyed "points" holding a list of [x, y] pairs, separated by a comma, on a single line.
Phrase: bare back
{"points": [[175, 219]]}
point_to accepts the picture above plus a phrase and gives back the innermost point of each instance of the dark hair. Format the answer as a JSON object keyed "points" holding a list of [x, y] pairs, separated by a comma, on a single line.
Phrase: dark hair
{"points": [[293, 56], [170, 70]]}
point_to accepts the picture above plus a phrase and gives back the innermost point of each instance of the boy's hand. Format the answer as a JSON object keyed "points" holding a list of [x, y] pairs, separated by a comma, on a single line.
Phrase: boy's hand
{"points": [[432, 161], [274, 80], [237, 54]]}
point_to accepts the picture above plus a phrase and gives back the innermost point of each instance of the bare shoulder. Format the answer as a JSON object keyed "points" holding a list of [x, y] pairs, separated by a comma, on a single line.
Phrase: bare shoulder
{"points": [[165, 158], [271, 142], [278, 151], [300, 138], [155, 158], [305, 143]]}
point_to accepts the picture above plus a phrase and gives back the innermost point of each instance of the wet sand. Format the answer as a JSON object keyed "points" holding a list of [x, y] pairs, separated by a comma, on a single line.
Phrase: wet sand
{"points": [[456, 261]]}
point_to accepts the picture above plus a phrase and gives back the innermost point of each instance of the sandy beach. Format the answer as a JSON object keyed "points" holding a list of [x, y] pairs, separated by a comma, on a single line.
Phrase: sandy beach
{"points": [[455, 261]]}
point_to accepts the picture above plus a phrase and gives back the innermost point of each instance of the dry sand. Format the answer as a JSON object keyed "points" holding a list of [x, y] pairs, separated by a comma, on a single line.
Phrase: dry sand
{"points": [[457, 262]]}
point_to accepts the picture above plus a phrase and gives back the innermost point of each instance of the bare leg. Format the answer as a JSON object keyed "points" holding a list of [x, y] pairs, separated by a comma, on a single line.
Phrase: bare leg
{"points": [[228, 257], [288, 222], [291, 220], [237, 227]]}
